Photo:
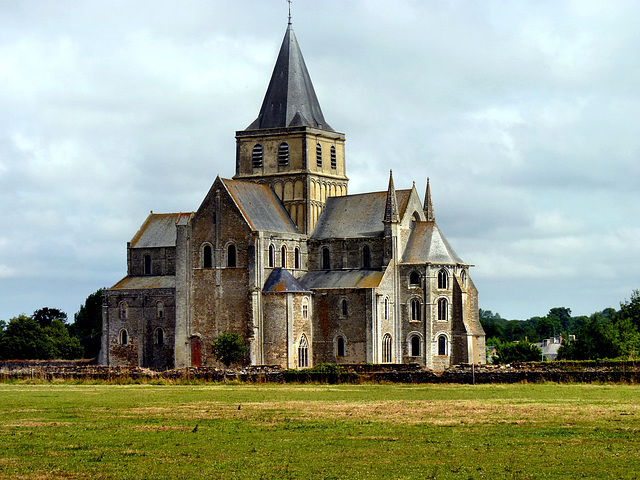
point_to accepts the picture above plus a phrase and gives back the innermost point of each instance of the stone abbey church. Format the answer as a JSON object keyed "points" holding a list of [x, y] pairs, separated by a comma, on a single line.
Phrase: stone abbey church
{"points": [[283, 256]]}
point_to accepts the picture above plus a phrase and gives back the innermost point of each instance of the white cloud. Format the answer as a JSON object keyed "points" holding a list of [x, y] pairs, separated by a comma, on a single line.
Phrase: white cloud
{"points": [[523, 114]]}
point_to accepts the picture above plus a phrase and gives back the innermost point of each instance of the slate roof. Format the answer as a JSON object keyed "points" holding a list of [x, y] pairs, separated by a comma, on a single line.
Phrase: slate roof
{"points": [[325, 279], [159, 230], [145, 282], [260, 207], [281, 281], [427, 244], [355, 216], [290, 99]]}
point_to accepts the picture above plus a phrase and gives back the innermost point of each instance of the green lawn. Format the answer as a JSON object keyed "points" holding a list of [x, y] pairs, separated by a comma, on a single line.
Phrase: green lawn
{"points": [[319, 431]]}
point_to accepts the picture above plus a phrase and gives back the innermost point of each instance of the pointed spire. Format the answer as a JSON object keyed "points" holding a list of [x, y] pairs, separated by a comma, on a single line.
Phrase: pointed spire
{"points": [[290, 99], [391, 210], [428, 204]]}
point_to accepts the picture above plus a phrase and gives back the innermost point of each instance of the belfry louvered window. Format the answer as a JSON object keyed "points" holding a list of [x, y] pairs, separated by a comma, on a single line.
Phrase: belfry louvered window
{"points": [[334, 161], [283, 154], [257, 156], [319, 155]]}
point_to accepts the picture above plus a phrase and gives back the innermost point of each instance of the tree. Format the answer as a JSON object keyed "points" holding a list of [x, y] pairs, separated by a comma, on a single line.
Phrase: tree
{"points": [[510, 352], [58, 343], [44, 316], [87, 325], [229, 348], [22, 339], [631, 309], [25, 339]]}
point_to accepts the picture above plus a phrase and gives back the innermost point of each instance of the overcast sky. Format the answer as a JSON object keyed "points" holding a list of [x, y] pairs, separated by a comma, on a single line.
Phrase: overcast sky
{"points": [[524, 114]]}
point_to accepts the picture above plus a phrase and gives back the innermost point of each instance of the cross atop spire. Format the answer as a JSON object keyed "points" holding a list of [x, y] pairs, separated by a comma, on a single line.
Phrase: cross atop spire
{"points": [[289, 2]]}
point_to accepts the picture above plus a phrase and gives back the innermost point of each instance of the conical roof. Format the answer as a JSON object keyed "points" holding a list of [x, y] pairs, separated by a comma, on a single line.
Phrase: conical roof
{"points": [[290, 99]]}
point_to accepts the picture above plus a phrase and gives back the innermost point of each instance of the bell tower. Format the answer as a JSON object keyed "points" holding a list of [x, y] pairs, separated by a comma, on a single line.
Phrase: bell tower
{"points": [[290, 146]]}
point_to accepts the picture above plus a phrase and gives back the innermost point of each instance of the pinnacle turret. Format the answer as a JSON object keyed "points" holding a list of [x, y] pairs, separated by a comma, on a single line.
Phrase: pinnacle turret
{"points": [[391, 209], [428, 204]]}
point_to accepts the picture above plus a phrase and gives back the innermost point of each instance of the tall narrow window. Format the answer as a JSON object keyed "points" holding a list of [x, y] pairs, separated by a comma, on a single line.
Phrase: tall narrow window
{"points": [[159, 336], [257, 156], [303, 352], [147, 264], [123, 310], [443, 309], [318, 155], [283, 154], [283, 256], [334, 162], [415, 309], [340, 347], [414, 279], [344, 307], [160, 310], [326, 260], [271, 255], [463, 277], [305, 308], [232, 260], [124, 337], [296, 258], [207, 257], [415, 346], [386, 348], [442, 345], [366, 257], [386, 308], [442, 279]]}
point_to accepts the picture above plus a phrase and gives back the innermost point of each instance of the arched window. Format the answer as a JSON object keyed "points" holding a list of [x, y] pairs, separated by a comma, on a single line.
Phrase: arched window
{"points": [[443, 309], [271, 255], [283, 256], [415, 346], [344, 307], [232, 260], [207, 257], [326, 259], [303, 352], [283, 154], [305, 308], [123, 310], [442, 279], [160, 310], [257, 156], [124, 337], [414, 279], [296, 258], [158, 336], [334, 163], [366, 257], [318, 155], [386, 308], [463, 277], [340, 347], [386, 348], [442, 345], [415, 309], [147, 264]]}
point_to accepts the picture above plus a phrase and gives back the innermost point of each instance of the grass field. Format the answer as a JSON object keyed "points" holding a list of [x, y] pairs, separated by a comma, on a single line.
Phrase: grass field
{"points": [[209, 431]]}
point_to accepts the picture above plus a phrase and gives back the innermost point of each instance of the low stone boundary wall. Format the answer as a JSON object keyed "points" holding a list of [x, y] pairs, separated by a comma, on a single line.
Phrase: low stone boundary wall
{"points": [[561, 372]]}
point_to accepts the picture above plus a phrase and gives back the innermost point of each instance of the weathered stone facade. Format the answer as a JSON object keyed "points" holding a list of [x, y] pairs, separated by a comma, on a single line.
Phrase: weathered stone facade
{"points": [[281, 255]]}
